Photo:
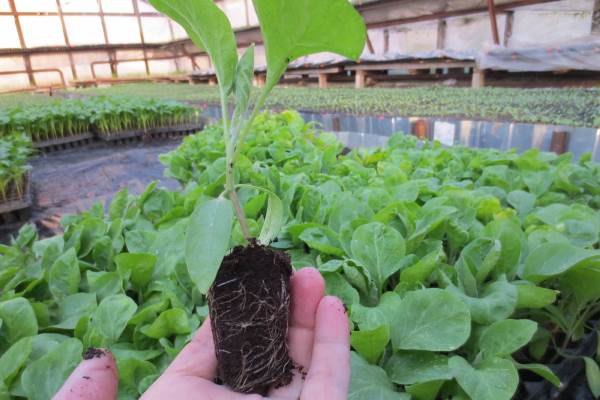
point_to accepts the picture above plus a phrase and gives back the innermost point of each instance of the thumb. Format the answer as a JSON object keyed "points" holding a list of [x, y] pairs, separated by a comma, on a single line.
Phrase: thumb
{"points": [[95, 378]]}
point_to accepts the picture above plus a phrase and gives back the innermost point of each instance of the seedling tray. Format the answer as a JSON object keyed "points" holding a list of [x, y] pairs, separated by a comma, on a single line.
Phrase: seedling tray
{"points": [[13, 201], [151, 134], [48, 146], [122, 137]]}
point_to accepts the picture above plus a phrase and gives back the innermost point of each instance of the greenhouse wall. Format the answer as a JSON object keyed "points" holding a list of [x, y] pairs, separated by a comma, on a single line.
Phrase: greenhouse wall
{"points": [[136, 24]]}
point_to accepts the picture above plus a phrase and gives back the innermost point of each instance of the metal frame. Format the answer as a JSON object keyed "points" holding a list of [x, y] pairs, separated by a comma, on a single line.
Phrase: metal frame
{"points": [[33, 71]]}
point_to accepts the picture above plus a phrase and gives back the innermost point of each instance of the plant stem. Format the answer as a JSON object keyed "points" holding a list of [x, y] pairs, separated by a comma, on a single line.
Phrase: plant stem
{"points": [[229, 177], [240, 138]]}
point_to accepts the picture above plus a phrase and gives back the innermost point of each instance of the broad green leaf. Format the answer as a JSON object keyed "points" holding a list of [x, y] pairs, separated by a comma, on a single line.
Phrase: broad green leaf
{"points": [[64, 275], [541, 370], [371, 344], [425, 391], [104, 284], [369, 318], [410, 367], [380, 249], [210, 30], [592, 373], [170, 322], [14, 359], [505, 337], [419, 273], [336, 285], [49, 250], [432, 320], [323, 239], [243, 86], [111, 317], [532, 296], [292, 29], [521, 201], [74, 307], [137, 267], [512, 240], [583, 282], [42, 378], [552, 259], [132, 371], [274, 219], [207, 241], [498, 301], [494, 379], [18, 319], [369, 382], [118, 204]]}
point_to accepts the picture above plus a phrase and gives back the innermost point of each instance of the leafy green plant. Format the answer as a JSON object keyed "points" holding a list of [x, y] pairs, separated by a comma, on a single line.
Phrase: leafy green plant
{"points": [[15, 149]]}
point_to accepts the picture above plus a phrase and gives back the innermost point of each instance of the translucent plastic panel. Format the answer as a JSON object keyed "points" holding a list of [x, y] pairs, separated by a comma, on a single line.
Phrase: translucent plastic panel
{"points": [[162, 67], [48, 79], [131, 68], [12, 64], [83, 63], [473, 33], [179, 31], [203, 62], [36, 5], [42, 31], [545, 27], [9, 39], [156, 29], [124, 6], [84, 30], [252, 15], [236, 12], [13, 82], [4, 5], [79, 5], [413, 38], [145, 7], [123, 30]]}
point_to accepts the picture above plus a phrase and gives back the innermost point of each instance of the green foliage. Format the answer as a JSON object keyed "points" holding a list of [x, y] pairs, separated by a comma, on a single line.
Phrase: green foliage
{"points": [[437, 281], [15, 149]]}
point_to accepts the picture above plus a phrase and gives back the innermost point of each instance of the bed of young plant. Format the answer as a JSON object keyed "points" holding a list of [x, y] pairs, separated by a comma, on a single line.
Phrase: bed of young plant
{"points": [[15, 149], [459, 267], [575, 107], [108, 115]]}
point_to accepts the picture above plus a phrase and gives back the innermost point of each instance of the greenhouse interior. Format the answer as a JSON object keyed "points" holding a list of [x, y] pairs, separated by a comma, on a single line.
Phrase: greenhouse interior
{"points": [[300, 199]]}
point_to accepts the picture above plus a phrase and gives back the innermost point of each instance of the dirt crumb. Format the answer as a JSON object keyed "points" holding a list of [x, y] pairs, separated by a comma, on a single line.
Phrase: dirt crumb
{"points": [[93, 352]]}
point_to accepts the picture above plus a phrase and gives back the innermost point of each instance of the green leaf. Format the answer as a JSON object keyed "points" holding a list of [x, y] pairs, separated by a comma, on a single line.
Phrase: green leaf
{"points": [[243, 86], [425, 391], [336, 285], [296, 28], [532, 296], [74, 307], [541, 370], [104, 284], [505, 337], [552, 259], [44, 377], [137, 267], [371, 344], [18, 319], [432, 320], [419, 273], [14, 359], [274, 219], [118, 205], [170, 322], [132, 371], [111, 317], [380, 249], [207, 241], [369, 318], [369, 382], [410, 367], [209, 29], [494, 379], [592, 373], [64, 275], [323, 239]]}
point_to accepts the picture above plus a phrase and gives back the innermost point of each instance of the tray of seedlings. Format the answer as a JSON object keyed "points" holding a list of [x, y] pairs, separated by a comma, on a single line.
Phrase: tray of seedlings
{"points": [[121, 120], [54, 126], [15, 182]]}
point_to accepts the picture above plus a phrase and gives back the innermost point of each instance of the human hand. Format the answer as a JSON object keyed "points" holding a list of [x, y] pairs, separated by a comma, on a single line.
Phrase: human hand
{"points": [[318, 340]]}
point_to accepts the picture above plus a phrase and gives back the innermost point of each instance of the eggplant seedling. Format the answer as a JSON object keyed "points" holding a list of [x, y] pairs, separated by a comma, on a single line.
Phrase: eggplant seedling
{"points": [[248, 290]]}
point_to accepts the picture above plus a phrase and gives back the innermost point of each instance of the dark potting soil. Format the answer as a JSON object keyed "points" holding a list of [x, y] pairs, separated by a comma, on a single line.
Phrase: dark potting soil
{"points": [[249, 307]]}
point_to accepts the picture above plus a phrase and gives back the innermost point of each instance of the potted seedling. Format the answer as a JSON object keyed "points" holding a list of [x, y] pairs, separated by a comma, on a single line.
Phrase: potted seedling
{"points": [[248, 287]]}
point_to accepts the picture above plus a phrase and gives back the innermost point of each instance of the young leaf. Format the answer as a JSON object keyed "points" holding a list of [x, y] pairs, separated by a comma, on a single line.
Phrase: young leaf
{"points": [[410, 367], [371, 343], [136, 266], [296, 28], [170, 322], [273, 220], [553, 259], [371, 382], [592, 373], [243, 86], [207, 241], [209, 29], [541, 370], [111, 317], [504, 337], [13, 359], [432, 320], [64, 275], [494, 379], [18, 319]]}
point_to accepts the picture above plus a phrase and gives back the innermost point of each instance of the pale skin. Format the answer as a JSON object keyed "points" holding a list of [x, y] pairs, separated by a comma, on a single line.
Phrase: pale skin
{"points": [[318, 340]]}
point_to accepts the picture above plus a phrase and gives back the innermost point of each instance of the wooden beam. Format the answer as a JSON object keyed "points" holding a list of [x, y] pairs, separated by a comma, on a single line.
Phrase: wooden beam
{"points": [[136, 11], [322, 81], [493, 21], [26, 57], [441, 34], [314, 71], [596, 17], [508, 28], [247, 12], [76, 14], [478, 79], [410, 65], [67, 41], [111, 53], [360, 79], [370, 44], [386, 40]]}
